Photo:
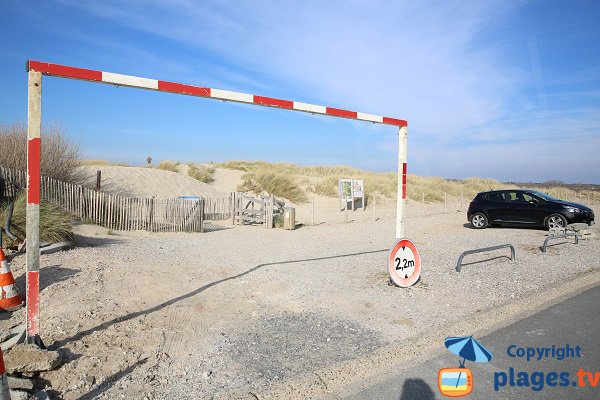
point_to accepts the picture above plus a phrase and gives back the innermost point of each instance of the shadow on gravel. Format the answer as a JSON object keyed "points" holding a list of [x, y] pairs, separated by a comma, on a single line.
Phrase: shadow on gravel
{"points": [[484, 260], [90, 241], [416, 389], [111, 380], [212, 227], [193, 293], [518, 227], [48, 276]]}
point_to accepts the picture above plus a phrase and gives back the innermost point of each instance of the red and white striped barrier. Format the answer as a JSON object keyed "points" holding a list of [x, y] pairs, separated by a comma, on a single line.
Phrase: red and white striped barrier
{"points": [[35, 71], [191, 90]]}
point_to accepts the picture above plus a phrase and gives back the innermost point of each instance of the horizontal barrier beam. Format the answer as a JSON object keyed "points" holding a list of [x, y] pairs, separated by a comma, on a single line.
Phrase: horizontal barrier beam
{"points": [[502, 246], [65, 71]]}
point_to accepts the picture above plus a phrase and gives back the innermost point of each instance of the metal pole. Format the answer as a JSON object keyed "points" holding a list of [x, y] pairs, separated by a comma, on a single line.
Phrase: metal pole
{"points": [[374, 205], [313, 211], [444, 202], [401, 196], [34, 126]]}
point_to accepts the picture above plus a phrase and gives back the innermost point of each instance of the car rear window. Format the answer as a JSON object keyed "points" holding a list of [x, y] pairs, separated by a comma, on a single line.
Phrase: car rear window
{"points": [[496, 196]]}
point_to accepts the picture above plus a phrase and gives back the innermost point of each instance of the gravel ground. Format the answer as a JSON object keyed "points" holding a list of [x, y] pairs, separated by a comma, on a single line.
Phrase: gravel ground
{"points": [[241, 311]]}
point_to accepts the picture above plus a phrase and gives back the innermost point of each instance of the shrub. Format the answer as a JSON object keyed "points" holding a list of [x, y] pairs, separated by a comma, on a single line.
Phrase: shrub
{"points": [[201, 173], [55, 224], [60, 155], [276, 184]]}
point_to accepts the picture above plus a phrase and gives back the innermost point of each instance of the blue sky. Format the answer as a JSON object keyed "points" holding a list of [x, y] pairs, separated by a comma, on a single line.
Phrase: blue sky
{"points": [[501, 89]]}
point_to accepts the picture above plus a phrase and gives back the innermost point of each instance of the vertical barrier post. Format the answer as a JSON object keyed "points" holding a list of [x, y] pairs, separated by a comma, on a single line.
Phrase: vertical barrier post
{"points": [[401, 197], [4, 389], [34, 125]]}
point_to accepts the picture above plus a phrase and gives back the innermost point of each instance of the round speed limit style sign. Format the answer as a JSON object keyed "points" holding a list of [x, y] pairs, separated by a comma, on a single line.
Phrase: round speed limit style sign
{"points": [[405, 264]]}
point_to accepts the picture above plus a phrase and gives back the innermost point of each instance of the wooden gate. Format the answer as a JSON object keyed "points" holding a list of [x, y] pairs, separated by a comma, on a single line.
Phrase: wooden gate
{"points": [[249, 210]]}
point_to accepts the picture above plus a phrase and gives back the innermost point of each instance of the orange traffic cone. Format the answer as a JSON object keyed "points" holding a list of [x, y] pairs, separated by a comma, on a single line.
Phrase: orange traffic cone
{"points": [[9, 297]]}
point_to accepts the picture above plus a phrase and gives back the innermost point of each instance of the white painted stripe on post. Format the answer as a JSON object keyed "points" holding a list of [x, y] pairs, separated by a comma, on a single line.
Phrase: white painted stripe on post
{"points": [[369, 117], [313, 108], [127, 80], [233, 96]]}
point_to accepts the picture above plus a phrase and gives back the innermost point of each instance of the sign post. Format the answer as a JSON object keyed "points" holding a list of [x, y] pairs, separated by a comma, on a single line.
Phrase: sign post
{"points": [[351, 190]]}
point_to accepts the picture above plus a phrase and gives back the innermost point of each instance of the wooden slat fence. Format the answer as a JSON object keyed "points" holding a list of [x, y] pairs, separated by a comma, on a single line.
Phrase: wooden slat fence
{"points": [[121, 212], [217, 208]]}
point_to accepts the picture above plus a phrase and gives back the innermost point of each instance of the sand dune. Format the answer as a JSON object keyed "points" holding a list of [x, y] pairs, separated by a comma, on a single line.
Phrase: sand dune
{"points": [[148, 182]]}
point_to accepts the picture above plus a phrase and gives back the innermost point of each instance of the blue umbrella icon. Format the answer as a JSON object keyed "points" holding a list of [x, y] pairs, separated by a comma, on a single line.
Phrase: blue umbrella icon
{"points": [[469, 349]]}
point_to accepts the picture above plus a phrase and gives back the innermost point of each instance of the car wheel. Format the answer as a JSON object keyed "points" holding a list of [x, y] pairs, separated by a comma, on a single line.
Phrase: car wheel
{"points": [[479, 221], [556, 221]]}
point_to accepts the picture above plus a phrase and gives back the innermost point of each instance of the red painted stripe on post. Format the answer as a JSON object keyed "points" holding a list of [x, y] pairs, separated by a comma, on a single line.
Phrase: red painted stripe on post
{"points": [[33, 303], [34, 147], [338, 112], [394, 121], [2, 367], [64, 71], [272, 102], [183, 89], [404, 181]]}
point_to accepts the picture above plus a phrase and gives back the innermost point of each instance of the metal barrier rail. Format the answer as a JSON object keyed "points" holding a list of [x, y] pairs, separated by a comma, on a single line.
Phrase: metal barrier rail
{"points": [[502, 246], [562, 236]]}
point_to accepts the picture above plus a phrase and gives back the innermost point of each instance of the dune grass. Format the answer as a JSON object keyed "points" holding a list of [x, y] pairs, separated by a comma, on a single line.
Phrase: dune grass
{"points": [[327, 187], [383, 185], [279, 185], [102, 163], [168, 166], [201, 173], [55, 224]]}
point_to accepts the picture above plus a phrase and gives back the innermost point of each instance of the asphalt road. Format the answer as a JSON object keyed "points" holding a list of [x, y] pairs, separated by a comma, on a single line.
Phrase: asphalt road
{"points": [[575, 322]]}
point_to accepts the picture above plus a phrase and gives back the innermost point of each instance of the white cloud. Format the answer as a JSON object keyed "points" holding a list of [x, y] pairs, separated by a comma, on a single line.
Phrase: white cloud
{"points": [[422, 61], [410, 61]]}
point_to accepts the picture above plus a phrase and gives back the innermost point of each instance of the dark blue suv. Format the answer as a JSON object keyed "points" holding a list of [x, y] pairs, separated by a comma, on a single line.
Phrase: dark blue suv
{"points": [[525, 208]]}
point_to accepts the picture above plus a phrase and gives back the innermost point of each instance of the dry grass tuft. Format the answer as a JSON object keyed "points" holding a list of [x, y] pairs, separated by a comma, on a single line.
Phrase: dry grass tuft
{"points": [[102, 163], [277, 184], [55, 224], [168, 166], [60, 155], [201, 173], [326, 187]]}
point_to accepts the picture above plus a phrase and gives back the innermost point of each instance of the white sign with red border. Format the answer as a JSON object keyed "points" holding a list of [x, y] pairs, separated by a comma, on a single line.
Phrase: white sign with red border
{"points": [[405, 264]]}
